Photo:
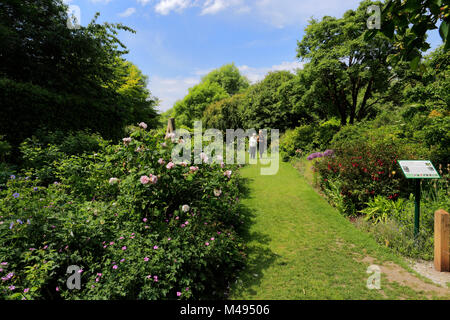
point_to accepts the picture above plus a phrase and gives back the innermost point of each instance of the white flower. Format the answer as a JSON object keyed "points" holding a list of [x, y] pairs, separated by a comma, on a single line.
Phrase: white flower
{"points": [[113, 180], [217, 192], [143, 125], [185, 208]]}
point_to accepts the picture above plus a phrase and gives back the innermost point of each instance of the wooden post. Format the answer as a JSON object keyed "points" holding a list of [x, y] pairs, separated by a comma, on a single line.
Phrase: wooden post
{"points": [[170, 126], [441, 241]]}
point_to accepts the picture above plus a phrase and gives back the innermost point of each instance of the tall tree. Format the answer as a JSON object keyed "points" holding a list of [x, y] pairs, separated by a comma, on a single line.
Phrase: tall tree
{"points": [[192, 106], [229, 78], [58, 78], [345, 71]]}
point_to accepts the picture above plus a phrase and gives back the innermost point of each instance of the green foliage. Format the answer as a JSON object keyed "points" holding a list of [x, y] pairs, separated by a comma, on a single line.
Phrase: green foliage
{"points": [[308, 137], [266, 107], [132, 239], [225, 114], [407, 23], [345, 74], [365, 163], [56, 78], [392, 222], [229, 78], [193, 105]]}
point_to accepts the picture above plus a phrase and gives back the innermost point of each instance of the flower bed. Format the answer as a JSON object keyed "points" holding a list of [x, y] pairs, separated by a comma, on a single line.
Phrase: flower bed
{"points": [[137, 225]]}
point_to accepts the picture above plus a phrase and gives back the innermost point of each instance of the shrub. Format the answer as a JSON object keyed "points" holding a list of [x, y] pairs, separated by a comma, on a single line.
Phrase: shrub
{"points": [[308, 137], [138, 227], [366, 165]]}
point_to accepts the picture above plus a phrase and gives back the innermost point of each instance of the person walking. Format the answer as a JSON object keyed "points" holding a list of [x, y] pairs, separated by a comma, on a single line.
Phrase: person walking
{"points": [[253, 143], [262, 143]]}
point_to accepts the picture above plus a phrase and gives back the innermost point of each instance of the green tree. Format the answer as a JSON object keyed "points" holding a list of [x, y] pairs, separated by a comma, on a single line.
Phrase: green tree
{"points": [[225, 114], [193, 105], [344, 71], [58, 78], [267, 103], [229, 78], [407, 23]]}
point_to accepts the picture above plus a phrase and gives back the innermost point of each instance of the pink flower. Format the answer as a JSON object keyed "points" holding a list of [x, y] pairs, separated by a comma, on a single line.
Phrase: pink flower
{"points": [[206, 243], [161, 161], [115, 267], [155, 278], [143, 125], [45, 247], [212, 239], [187, 289], [145, 219], [124, 248], [26, 290], [123, 260], [57, 289], [111, 243], [170, 165], [183, 225], [169, 239], [146, 259], [178, 294], [145, 180], [228, 173], [155, 248], [149, 276], [193, 169], [186, 223], [222, 165], [126, 140], [121, 238], [153, 179], [99, 274]]}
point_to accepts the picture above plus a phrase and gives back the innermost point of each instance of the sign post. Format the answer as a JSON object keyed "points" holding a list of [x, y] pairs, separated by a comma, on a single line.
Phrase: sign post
{"points": [[418, 169]]}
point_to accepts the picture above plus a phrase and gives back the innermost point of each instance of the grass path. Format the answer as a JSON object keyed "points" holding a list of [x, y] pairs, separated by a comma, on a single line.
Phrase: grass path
{"points": [[301, 248]]}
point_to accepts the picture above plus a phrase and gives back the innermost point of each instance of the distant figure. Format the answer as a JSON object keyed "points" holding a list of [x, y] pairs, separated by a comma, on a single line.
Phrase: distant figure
{"points": [[253, 144], [262, 143]]}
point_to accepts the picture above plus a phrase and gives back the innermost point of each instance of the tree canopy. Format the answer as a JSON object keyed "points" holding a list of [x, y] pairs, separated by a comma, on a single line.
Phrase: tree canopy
{"points": [[345, 71], [56, 78]]}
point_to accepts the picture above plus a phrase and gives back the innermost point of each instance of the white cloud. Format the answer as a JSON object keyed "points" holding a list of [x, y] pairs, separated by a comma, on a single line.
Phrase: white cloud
{"points": [[257, 74], [144, 2], [278, 13], [127, 13], [164, 7], [101, 1], [169, 90]]}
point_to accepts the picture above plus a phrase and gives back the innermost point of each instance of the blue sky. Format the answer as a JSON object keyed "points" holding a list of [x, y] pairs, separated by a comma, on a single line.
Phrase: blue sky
{"points": [[179, 41]]}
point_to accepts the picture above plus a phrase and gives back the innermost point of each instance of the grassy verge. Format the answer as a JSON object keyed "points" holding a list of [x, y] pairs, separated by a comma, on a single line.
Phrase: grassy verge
{"points": [[299, 247]]}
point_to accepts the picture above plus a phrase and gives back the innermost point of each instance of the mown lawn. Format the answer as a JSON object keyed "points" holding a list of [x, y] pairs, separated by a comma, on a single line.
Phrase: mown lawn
{"points": [[299, 247]]}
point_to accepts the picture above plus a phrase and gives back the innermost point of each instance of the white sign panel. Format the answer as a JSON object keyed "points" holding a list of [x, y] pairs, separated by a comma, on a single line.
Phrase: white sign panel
{"points": [[418, 169]]}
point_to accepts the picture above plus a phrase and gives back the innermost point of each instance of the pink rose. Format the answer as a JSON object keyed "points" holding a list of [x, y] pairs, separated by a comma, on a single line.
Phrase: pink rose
{"points": [[170, 165], [145, 180]]}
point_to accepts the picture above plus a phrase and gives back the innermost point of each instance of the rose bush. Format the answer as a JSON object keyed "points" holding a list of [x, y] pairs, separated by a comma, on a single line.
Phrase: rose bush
{"points": [[137, 227]]}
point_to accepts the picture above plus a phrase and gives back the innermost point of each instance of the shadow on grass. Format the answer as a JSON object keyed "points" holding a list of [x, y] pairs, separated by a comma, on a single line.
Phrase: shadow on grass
{"points": [[259, 255]]}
